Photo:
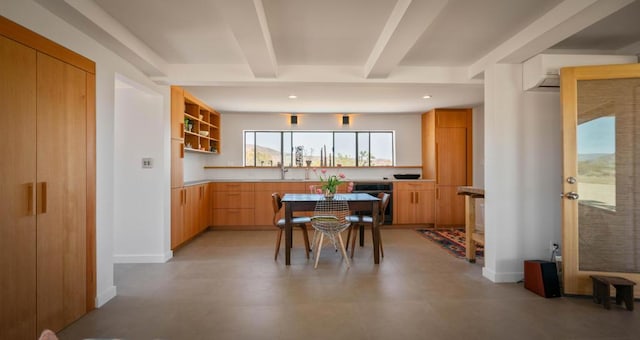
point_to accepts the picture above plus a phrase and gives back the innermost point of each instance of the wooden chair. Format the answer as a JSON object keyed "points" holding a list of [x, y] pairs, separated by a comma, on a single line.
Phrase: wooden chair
{"points": [[358, 221], [300, 222], [330, 219]]}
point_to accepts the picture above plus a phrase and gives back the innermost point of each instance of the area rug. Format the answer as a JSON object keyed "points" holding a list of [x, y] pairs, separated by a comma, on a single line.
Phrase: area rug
{"points": [[453, 240]]}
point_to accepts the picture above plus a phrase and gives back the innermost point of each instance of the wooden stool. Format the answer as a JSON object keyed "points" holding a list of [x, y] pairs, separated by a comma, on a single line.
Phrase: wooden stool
{"points": [[601, 290]]}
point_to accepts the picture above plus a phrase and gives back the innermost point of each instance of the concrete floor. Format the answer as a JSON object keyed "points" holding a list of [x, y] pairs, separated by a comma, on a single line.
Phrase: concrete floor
{"points": [[225, 285]]}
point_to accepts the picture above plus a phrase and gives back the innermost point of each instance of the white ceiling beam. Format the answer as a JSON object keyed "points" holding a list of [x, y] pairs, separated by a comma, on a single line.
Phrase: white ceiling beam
{"points": [[564, 20], [248, 23], [230, 75], [408, 20], [633, 48], [91, 19]]}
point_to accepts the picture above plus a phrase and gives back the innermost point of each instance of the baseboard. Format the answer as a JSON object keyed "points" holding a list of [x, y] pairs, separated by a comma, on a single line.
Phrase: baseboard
{"points": [[105, 296], [148, 258], [501, 277]]}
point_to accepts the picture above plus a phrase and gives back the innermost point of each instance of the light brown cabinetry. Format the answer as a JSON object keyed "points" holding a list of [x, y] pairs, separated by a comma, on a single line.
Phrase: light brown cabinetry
{"points": [[194, 122], [414, 202], [47, 228], [190, 212], [447, 157], [263, 210], [233, 204]]}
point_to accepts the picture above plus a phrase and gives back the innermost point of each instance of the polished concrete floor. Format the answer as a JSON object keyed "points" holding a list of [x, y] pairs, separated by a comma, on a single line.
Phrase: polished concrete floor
{"points": [[226, 285]]}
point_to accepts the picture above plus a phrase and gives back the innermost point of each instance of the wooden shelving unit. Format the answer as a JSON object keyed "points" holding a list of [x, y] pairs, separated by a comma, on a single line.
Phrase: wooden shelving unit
{"points": [[201, 126]]}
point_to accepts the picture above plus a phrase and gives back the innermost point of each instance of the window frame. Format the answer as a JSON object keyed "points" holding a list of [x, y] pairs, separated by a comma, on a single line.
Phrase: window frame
{"points": [[358, 135]]}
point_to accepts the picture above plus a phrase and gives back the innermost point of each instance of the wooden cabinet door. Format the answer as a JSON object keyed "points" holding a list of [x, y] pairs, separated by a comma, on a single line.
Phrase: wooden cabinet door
{"points": [[194, 201], [62, 192], [451, 151], [17, 210], [205, 207], [263, 208], [425, 206], [449, 207], [405, 207], [177, 217], [234, 200], [233, 217], [177, 163], [177, 113]]}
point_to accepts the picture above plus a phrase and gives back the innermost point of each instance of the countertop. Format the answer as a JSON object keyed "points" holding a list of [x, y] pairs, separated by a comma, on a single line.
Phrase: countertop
{"points": [[253, 180]]}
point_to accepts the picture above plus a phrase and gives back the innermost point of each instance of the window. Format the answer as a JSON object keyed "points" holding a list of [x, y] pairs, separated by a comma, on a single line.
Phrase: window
{"points": [[597, 162], [332, 148]]}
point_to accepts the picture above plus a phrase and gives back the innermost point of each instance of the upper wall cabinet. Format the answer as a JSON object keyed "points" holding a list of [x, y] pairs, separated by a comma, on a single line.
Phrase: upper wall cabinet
{"points": [[193, 122]]}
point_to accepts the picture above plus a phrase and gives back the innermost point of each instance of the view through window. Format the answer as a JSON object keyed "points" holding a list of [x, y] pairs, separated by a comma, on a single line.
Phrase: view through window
{"points": [[314, 148]]}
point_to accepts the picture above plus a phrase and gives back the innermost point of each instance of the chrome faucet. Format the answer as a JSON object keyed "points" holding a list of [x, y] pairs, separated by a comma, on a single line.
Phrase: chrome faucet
{"points": [[283, 170]]}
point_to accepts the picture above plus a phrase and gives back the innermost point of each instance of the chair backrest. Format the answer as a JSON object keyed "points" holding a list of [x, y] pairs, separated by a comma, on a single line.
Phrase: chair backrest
{"points": [[331, 215], [276, 203], [384, 202]]}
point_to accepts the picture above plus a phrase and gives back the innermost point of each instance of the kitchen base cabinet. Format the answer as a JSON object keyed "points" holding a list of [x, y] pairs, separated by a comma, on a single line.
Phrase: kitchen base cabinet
{"points": [[233, 204], [414, 202], [233, 217], [177, 216], [190, 212]]}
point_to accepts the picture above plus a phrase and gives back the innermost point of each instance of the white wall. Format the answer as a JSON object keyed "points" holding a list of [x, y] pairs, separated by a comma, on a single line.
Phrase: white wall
{"points": [[139, 131], [408, 145], [31, 15], [478, 146], [522, 173]]}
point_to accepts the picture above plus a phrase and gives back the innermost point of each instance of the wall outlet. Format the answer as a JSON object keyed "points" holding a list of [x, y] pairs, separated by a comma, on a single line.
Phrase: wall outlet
{"points": [[553, 245]]}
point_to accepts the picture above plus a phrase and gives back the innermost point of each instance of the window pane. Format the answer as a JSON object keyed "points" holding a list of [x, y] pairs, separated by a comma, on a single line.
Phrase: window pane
{"points": [[597, 162], [363, 149], [345, 148], [381, 149], [268, 148], [249, 149], [309, 145], [287, 149]]}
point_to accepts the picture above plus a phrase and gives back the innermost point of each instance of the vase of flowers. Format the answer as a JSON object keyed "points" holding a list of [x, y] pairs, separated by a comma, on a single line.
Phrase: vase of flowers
{"points": [[330, 183]]}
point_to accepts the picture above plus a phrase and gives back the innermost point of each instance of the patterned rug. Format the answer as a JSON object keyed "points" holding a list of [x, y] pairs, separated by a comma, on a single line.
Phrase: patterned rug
{"points": [[452, 240]]}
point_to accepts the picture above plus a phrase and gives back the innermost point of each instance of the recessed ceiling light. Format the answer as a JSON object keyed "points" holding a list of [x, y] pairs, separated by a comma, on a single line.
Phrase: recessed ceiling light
{"points": [[293, 96], [426, 97]]}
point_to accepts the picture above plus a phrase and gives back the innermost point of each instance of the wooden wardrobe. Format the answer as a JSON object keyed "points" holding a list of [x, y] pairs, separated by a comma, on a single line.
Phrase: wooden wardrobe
{"points": [[47, 184]]}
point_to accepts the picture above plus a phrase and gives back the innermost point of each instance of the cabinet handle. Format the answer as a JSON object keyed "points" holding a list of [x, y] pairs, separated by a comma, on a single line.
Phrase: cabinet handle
{"points": [[181, 150], [437, 193], [30, 206], [437, 160], [43, 192], [181, 130], [184, 197], [417, 197], [412, 197]]}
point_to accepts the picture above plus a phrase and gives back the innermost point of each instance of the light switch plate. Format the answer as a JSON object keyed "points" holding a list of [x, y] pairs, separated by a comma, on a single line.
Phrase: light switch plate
{"points": [[147, 163]]}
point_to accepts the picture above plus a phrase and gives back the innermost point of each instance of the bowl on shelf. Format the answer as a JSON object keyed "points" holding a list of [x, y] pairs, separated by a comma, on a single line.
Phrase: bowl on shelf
{"points": [[406, 176], [204, 133]]}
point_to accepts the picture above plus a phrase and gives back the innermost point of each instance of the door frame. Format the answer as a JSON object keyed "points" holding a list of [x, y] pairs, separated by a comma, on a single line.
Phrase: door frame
{"points": [[576, 281]]}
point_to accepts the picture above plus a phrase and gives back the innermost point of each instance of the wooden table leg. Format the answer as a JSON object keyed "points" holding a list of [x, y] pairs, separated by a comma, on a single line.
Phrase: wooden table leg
{"points": [[470, 225], [288, 233], [376, 235]]}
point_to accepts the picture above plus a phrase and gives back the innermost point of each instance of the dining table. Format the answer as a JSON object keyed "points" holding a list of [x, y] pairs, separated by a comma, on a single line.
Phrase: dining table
{"points": [[307, 202]]}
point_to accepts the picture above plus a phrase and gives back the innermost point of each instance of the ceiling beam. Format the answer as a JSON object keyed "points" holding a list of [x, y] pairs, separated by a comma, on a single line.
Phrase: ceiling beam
{"points": [[248, 23], [564, 20], [91, 19], [408, 20], [633, 48], [231, 75]]}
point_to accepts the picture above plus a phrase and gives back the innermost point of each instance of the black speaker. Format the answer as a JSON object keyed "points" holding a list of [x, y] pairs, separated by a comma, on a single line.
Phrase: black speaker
{"points": [[541, 277]]}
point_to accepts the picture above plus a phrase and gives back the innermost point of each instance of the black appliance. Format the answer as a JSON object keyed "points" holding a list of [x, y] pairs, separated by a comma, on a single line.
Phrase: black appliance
{"points": [[373, 189]]}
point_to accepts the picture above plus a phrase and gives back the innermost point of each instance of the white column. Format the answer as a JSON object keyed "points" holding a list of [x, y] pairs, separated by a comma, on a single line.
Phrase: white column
{"points": [[522, 173]]}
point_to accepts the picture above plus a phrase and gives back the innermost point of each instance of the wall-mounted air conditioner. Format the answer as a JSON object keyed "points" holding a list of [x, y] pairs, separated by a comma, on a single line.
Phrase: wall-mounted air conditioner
{"points": [[542, 72]]}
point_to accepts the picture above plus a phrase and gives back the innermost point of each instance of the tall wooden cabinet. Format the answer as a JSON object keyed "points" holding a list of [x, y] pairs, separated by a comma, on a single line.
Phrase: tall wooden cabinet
{"points": [[195, 127], [447, 152], [47, 186]]}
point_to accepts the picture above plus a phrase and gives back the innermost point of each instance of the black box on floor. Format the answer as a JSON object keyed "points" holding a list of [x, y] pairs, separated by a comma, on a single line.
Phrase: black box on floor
{"points": [[541, 277]]}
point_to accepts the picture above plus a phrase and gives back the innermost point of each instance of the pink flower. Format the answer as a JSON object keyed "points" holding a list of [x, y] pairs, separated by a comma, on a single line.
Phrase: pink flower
{"points": [[341, 175], [318, 190], [324, 171]]}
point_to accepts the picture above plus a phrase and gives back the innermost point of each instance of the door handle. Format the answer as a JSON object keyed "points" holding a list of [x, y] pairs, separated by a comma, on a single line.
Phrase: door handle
{"points": [[572, 195], [181, 150], [417, 198], [412, 197], [43, 197], [30, 197], [181, 130]]}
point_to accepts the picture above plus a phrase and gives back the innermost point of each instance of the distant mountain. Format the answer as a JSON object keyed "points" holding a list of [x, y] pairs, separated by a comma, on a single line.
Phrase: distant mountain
{"points": [[591, 156]]}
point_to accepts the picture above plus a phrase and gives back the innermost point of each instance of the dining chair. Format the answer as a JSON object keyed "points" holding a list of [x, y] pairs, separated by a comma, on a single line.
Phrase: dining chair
{"points": [[300, 222], [358, 221], [330, 219]]}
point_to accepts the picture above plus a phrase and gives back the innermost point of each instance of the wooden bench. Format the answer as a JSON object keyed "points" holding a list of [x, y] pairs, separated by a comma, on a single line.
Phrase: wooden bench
{"points": [[602, 293]]}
